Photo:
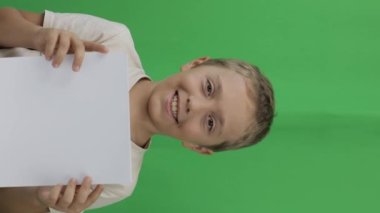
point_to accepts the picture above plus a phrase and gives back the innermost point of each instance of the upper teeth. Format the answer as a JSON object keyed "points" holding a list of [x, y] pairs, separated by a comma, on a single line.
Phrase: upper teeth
{"points": [[174, 106]]}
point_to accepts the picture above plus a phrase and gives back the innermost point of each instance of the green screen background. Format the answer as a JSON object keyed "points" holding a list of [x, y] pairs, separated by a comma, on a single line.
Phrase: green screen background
{"points": [[322, 57]]}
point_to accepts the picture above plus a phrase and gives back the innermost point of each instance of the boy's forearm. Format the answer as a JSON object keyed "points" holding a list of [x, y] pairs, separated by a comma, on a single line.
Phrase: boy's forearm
{"points": [[20, 199], [15, 30]]}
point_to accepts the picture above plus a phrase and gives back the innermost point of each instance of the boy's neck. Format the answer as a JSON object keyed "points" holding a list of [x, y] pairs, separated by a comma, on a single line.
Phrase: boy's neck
{"points": [[141, 126]]}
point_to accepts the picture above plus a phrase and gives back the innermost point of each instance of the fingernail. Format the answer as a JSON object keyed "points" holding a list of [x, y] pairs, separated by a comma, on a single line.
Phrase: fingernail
{"points": [[55, 65], [45, 194], [76, 68]]}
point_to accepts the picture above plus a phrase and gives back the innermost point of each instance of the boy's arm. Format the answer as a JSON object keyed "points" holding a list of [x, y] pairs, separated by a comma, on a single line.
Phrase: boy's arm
{"points": [[17, 31], [35, 18], [115, 36], [20, 199], [24, 29]]}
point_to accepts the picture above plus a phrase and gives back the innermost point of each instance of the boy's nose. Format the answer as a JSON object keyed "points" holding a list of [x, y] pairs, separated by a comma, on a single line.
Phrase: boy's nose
{"points": [[194, 105]]}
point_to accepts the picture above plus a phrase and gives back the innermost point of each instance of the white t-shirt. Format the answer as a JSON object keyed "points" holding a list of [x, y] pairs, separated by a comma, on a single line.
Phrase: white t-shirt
{"points": [[116, 37]]}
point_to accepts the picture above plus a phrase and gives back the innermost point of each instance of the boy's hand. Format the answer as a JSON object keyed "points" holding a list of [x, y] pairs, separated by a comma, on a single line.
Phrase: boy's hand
{"points": [[69, 199], [55, 44]]}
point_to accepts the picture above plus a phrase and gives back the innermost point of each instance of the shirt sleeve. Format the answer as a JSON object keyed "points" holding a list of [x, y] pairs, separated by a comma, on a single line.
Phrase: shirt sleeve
{"points": [[113, 35]]}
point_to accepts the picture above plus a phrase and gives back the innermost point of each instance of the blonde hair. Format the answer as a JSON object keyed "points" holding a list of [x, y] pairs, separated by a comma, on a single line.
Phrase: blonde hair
{"points": [[262, 96]]}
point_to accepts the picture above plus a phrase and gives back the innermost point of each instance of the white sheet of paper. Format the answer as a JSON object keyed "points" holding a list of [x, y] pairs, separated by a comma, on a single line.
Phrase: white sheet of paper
{"points": [[56, 124]]}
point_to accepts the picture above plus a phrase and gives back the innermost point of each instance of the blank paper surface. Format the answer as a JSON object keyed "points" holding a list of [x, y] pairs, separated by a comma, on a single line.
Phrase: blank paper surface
{"points": [[56, 124]]}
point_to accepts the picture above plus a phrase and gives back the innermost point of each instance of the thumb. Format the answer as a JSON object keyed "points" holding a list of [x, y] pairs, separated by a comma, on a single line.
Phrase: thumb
{"points": [[93, 46]]}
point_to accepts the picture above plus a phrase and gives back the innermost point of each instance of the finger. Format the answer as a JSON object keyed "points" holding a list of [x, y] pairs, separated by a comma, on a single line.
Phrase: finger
{"points": [[51, 44], [79, 49], [63, 48], [95, 195], [54, 195], [68, 195], [84, 191], [92, 46], [43, 194]]}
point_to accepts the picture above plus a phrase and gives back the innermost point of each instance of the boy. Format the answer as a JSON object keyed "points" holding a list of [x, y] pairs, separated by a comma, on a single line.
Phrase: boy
{"points": [[212, 105]]}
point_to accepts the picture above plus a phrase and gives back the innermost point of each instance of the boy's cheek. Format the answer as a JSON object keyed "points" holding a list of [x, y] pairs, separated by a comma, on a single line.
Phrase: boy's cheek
{"points": [[189, 133]]}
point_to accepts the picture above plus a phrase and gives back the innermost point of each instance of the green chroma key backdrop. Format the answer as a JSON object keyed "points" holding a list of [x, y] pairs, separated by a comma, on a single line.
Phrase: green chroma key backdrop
{"points": [[322, 57]]}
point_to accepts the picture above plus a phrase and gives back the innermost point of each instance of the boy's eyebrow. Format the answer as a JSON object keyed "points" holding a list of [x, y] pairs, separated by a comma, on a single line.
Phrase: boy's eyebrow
{"points": [[221, 124], [219, 87], [219, 90]]}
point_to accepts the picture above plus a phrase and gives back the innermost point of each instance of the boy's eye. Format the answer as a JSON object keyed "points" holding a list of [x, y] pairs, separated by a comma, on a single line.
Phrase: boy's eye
{"points": [[210, 123], [209, 87]]}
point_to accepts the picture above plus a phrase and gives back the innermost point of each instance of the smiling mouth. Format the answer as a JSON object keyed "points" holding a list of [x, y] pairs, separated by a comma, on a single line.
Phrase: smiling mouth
{"points": [[174, 106]]}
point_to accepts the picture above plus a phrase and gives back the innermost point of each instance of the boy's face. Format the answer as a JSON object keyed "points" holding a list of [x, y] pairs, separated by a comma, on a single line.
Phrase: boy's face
{"points": [[212, 106]]}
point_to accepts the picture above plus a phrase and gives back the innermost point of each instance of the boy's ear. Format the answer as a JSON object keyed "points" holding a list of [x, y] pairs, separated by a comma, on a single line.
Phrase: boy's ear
{"points": [[193, 63], [197, 148]]}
